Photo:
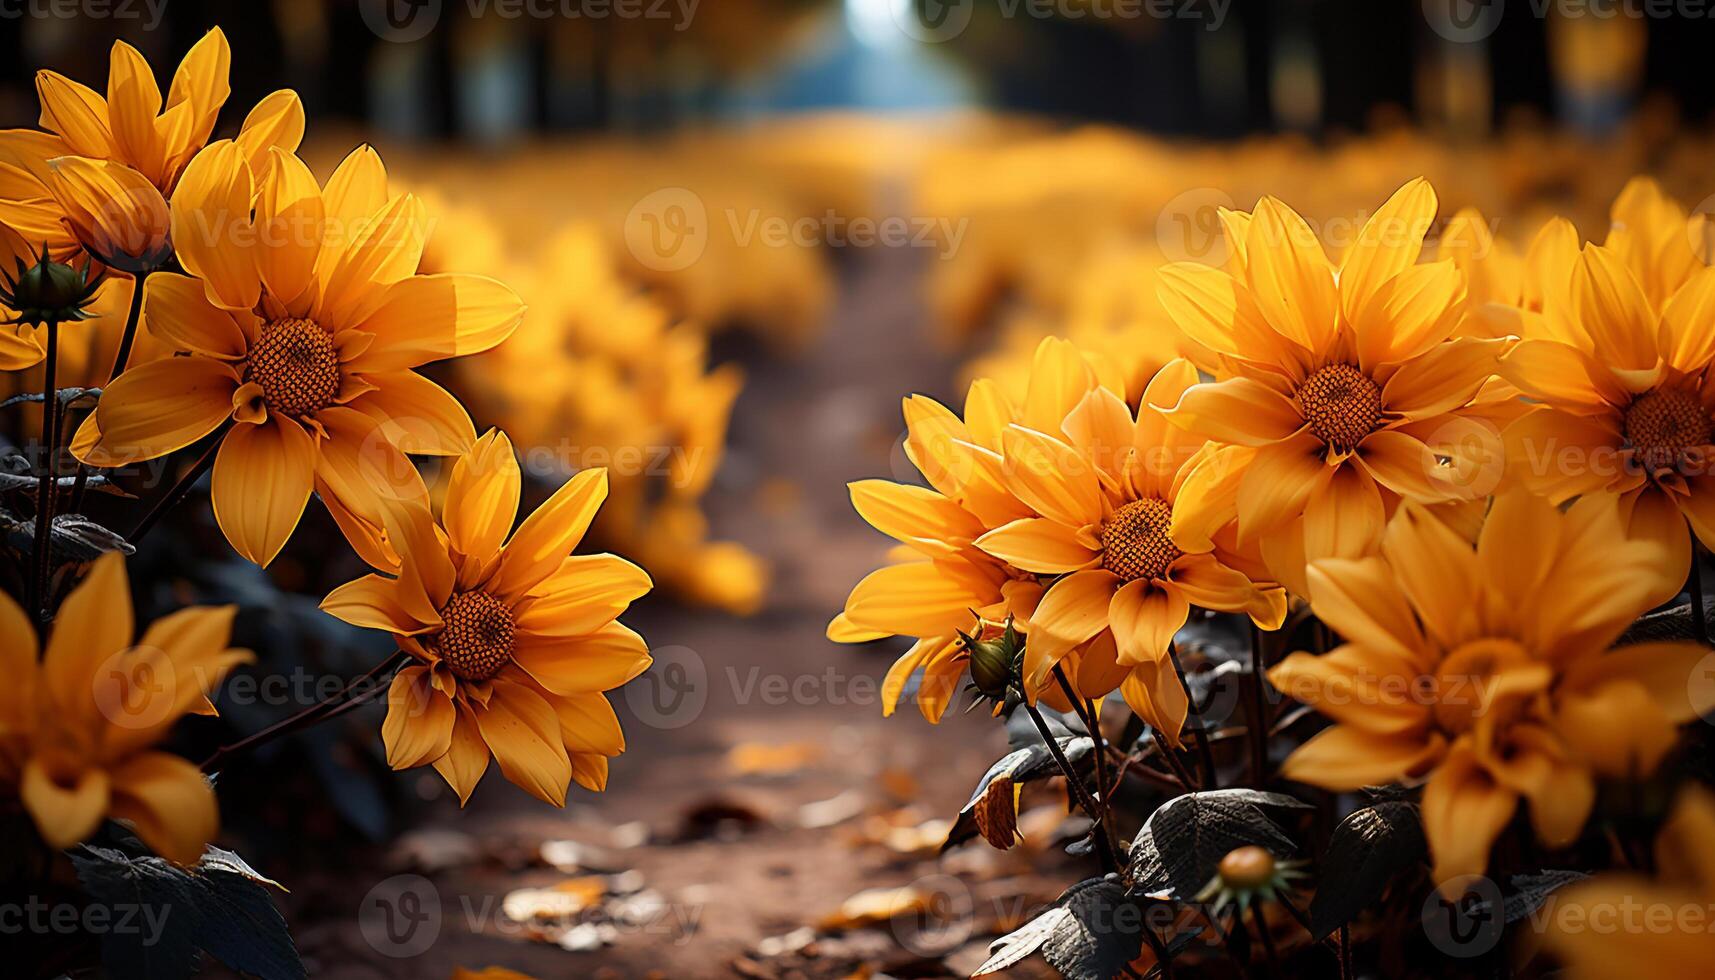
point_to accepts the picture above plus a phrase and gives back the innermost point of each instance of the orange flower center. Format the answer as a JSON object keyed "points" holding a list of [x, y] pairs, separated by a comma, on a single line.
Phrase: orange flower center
{"points": [[296, 365], [1135, 542], [1663, 425], [477, 638], [1341, 404], [1478, 677]]}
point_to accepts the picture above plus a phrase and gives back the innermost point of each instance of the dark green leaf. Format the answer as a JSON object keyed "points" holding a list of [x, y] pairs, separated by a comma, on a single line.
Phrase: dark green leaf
{"points": [[220, 906], [1093, 932], [1190, 834], [1367, 850]]}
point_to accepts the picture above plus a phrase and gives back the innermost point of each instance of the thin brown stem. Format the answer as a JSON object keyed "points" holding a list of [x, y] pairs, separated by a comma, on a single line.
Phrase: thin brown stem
{"points": [[47, 489], [1259, 711], [1105, 846], [182, 487], [1266, 938], [1198, 734], [343, 700], [1173, 762], [132, 318], [1086, 711]]}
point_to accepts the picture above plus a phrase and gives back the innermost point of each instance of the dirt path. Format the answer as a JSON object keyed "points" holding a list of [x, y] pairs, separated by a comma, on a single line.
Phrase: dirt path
{"points": [[722, 868]]}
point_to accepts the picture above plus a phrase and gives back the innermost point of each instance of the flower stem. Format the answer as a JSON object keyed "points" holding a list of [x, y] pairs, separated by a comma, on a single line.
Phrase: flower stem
{"points": [[1172, 756], [1267, 939], [129, 337], [1198, 733], [332, 706], [126, 341], [48, 488], [1345, 952], [1104, 846], [1259, 711], [179, 489], [1087, 713]]}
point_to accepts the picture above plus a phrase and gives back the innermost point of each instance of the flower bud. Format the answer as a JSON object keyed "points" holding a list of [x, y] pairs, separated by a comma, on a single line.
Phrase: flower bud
{"points": [[119, 217], [43, 290]]}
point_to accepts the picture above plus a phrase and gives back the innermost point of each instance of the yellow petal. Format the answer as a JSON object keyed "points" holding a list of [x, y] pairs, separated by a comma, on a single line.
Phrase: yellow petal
{"points": [[274, 124], [917, 516], [1289, 275], [1073, 610], [94, 623], [546, 537], [1464, 810], [67, 812], [524, 732], [1613, 310], [466, 758], [212, 233], [1145, 618], [1410, 313], [1388, 245], [1277, 483], [1360, 599], [387, 249], [262, 480], [419, 724], [482, 497], [601, 661], [176, 311], [289, 224], [372, 602], [118, 215], [1055, 479], [431, 318], [1037, 544], [76, 113], [584, 594], [1238, 410], [417, 415], [1345, 759], [170, 804], [921, 598]]}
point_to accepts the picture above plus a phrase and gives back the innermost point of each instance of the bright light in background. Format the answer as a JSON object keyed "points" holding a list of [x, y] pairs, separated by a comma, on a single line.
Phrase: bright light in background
{"points": [[875, 23]]}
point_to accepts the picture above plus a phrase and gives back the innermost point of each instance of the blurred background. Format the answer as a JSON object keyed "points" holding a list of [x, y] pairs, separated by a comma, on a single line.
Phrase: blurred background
{"points": [[746, 229]]}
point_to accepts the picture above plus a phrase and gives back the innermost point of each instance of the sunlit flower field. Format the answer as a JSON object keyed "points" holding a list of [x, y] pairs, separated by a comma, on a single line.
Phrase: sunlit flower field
{"points": [[849, 543]]}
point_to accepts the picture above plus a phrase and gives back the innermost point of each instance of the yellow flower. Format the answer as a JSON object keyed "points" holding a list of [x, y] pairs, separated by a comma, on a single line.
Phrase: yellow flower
{"points": [[1130, 529], [1485, 668], [302, 329], [102, 174], [514, 639], [1344, 381], [76, 727], [940, 582], [1620, 368], [1609, 926]]}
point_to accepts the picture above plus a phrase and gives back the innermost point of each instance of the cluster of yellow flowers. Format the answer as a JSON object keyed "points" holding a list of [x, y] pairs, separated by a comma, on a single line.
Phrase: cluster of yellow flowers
{"points": [[283, 320], [1312, 438]]}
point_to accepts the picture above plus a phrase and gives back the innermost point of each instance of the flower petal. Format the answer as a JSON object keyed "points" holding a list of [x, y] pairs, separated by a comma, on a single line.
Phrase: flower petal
{"points": [[262, 480], [540, 545]]}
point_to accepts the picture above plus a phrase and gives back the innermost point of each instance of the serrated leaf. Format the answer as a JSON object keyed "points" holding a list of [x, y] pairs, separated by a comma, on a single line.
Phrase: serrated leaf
{"points": [[1102, 934], [72, 537], [1367, 851], [220, 906], [1192, 832], [1092, 933], [1531, 891]]}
